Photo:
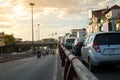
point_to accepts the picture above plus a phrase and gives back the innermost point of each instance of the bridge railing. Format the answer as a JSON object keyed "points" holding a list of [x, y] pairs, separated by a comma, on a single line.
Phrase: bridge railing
{"points": [[73, 68]]}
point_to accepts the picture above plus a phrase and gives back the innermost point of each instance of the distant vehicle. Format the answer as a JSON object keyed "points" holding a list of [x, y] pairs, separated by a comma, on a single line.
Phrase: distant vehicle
{"points": [[38, 54], [68, 42], [77, 45], [101, 48], [72, 35], [81, 33], [62, 39], [42, 51]]}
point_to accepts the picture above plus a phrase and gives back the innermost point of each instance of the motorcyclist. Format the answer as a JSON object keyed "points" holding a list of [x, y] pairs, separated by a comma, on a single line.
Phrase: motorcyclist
{"points": [[42, 50], [38, 54]]}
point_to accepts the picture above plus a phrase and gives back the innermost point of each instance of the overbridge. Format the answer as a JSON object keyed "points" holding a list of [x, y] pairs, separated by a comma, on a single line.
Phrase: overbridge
{"points": [[25, 46], [37, 43]]}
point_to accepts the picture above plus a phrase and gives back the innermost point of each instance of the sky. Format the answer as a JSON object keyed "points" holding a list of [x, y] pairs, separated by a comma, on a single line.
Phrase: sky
{"points": [[54, 16]]}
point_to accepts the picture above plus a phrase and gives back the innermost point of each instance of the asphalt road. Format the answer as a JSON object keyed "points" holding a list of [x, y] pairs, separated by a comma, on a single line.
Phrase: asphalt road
{"points": [[108, 73], [44, 68]]}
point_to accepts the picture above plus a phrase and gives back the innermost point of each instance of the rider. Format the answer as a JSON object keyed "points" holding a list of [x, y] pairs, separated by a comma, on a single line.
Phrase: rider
{"points": [[42, 50]]}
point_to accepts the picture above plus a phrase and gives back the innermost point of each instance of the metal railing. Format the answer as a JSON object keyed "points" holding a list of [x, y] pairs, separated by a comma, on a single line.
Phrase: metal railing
{"points": [[73, 68]]}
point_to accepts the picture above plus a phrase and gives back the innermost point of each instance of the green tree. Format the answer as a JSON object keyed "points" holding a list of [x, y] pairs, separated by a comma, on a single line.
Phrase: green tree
{"points": [[9, 39], [48, 40]]}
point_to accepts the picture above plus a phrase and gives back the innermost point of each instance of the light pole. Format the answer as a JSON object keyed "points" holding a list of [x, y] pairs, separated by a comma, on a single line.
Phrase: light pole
{"points": [[38, 32], [36, 35], [32, 4]]}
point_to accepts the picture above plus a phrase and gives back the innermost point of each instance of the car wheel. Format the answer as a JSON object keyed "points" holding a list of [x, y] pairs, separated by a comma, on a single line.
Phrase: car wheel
{"points": [[91, 67]]}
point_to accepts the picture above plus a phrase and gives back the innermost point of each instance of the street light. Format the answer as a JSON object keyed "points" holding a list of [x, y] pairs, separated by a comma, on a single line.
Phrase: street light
{"points": [[38, 32], [36, 35], [32, 4]]}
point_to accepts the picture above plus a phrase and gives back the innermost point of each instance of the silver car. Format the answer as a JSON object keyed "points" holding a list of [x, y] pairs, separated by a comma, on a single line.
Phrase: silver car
{"points": [[101, 48]]}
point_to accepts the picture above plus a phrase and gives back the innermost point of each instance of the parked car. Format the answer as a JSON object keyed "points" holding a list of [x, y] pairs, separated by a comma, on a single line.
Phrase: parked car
{"points": [[68, 42], [77, 45], [101, 48]]}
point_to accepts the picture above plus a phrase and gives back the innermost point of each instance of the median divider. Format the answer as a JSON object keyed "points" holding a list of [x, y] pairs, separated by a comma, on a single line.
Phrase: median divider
{"points": [[73, 68]]}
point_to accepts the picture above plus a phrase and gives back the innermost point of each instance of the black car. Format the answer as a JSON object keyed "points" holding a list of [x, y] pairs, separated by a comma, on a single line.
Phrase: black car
{"points": [[77, 45]]}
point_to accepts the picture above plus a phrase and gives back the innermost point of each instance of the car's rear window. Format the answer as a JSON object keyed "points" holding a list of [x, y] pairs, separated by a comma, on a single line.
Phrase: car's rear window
{"points": [[70, 40], [108, 38]]}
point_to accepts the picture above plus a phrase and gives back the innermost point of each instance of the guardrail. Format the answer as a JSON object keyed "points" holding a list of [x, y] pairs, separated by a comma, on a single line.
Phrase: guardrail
{"points": [[73, 68]]}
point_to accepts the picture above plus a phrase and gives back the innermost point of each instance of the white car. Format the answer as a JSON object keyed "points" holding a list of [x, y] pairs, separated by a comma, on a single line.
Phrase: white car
{"points": [[101, 48]]}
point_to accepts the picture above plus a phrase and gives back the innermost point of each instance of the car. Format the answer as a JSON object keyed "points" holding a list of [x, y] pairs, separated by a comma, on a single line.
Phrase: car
{"points": [[72, 35], [68, 43], [101, 48], [77, 45]]}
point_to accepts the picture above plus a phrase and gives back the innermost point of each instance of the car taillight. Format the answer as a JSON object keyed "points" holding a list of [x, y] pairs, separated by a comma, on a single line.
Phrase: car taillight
{"points": [[96, 47], [78, 44]]}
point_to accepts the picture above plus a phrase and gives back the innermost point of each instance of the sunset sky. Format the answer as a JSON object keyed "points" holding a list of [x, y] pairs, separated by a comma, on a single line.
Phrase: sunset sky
{"points": [[54, 16]]}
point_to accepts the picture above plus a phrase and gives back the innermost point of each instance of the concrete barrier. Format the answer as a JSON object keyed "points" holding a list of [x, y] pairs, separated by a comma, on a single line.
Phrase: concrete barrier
{"points": [[74, 69]]}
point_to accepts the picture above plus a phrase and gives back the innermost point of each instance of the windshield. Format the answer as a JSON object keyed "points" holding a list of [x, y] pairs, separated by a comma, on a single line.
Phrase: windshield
{"points": [[70, 40]]}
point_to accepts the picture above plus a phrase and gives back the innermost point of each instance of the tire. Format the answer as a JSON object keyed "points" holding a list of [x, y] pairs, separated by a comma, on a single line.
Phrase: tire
{"points": [[91, 67]]}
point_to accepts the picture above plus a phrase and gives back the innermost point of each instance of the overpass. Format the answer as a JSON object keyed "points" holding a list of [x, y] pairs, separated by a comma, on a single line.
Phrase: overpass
{"points": [[25, 46], [36, 43]]}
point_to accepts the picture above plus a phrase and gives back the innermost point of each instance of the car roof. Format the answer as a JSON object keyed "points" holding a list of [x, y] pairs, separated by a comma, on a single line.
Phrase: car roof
{"points": [[104, 32]]}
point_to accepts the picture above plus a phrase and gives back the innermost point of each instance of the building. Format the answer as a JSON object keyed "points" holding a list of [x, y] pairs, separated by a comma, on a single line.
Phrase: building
{"points": [[104, 19], [94, 24], [111, 18], [74, 31]]}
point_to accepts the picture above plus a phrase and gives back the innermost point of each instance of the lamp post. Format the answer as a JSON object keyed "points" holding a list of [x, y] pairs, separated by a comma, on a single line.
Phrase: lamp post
{"points": [[38, 32], [32, 4], [36, 35]]}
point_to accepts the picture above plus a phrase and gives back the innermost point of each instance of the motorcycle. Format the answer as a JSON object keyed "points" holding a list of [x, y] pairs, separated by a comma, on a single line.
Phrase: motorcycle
{"points": [[38, 54]]}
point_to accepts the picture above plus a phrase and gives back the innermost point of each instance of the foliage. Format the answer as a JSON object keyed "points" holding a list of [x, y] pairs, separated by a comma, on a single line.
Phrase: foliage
{"points": [[90, 22], [48, 40], [8, 39]]}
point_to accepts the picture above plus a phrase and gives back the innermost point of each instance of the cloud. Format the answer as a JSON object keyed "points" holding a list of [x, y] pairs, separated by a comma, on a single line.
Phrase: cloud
{"points": [[15, 15], [65, 7], [5, 22], [4, 26], [103, 4]]}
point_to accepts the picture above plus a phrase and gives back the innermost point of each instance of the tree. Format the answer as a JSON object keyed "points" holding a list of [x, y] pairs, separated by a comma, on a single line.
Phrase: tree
{"points": [[48, 40], [8, 39]]}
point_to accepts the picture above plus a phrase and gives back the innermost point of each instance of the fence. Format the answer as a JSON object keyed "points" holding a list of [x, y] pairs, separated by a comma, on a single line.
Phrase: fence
{"points": [[73, 68]]}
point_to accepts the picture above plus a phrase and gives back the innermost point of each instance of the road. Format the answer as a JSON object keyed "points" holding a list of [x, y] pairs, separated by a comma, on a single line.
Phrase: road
{"points": [[108, 73], [44, 68]]}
